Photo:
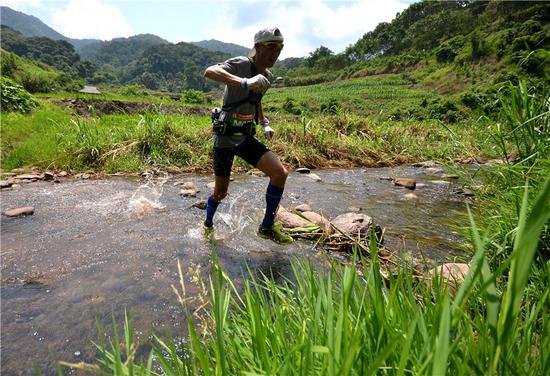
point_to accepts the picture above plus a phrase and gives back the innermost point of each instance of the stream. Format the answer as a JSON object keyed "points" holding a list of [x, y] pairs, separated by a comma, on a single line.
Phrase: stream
{"points": [[94, 248]]}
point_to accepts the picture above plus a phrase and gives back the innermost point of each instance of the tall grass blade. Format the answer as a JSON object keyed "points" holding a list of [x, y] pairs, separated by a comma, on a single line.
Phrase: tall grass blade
{"points": [[523, 255]]}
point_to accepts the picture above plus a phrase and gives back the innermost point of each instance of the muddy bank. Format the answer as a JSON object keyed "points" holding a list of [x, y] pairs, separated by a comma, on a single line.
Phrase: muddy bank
{"points": [[88, 107]]}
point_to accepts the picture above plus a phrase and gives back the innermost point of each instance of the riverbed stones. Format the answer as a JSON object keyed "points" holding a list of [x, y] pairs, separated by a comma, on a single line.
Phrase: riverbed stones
{"points": [[6, 183], [411, 196], [256, 172], [188, 193], [290, 220], [425, 164], [353, 223], [303, 170], [452, 274], [405, 182], [303, 208], [314, 177], [17, 212], [201, 204]]}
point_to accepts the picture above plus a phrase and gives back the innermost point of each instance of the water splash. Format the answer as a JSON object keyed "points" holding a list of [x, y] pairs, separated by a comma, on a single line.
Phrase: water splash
{"points": [[234, 217], [146, 198]]}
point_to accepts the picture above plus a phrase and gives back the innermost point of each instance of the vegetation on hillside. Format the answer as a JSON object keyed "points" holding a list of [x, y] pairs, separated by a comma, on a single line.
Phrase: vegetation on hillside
{"points": [[35, 76]]}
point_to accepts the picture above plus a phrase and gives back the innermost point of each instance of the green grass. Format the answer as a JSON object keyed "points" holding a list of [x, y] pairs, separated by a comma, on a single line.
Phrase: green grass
{"points": [[371, 96]]}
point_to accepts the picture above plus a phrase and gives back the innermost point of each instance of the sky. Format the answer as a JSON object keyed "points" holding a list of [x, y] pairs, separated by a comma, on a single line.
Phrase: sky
{"points": [[305, 24]]}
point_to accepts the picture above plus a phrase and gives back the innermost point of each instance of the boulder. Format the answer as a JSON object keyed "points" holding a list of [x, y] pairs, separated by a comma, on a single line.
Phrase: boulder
{"points": [[6, 183], [188, 193], [405, 182], [451, 274], [303, 208], [290, 220], [29, 210], [314, 177], [353, 223]]}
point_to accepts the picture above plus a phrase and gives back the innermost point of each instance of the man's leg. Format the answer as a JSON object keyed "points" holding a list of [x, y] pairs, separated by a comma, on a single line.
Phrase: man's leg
{"points": [[272, 167], [220, 191]]}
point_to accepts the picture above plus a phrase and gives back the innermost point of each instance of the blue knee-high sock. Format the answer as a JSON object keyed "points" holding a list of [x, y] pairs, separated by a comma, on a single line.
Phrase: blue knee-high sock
{"points": [[273, 196], [211, 207]]}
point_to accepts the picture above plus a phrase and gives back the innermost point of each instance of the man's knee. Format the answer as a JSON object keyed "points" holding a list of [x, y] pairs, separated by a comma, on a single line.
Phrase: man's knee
{"points": [[279, 174]]}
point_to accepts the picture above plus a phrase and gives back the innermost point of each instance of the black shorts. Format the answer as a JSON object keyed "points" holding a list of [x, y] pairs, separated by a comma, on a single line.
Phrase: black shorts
{"points": [[251, 150]]}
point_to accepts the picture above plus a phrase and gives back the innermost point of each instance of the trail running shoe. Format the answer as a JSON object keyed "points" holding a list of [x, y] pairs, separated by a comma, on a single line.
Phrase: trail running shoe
{"points": [[275, 233], [207, 231]]}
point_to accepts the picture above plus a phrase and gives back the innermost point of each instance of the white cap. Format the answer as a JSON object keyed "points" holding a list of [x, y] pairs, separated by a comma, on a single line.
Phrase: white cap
{"points": [[269, 34]]}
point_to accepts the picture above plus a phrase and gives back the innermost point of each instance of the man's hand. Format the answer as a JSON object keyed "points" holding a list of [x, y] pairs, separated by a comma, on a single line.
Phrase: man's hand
{"points": [[259, 83], [268, 131]]}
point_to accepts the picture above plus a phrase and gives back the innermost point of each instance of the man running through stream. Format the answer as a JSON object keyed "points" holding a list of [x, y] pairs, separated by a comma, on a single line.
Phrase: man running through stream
{"points": [[246, 80]]}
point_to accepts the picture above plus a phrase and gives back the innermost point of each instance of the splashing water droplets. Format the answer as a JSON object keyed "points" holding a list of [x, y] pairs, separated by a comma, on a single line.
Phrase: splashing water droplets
{"points": [[146, 198]]}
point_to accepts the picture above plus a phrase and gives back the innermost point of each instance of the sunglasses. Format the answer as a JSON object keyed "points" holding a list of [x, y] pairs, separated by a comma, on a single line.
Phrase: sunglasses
{"points": [[273, 45]]}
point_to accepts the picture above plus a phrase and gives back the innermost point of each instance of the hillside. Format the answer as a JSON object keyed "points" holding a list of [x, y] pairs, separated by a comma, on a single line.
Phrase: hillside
{"points": [[31, 26], [119, 51], [218, 46], [448, 46]]}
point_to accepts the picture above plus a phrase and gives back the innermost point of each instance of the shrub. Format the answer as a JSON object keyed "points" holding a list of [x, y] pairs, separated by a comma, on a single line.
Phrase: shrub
{"points": [[290, 107], [134, 89], [194, 96], [15, 97], [331, 106]]}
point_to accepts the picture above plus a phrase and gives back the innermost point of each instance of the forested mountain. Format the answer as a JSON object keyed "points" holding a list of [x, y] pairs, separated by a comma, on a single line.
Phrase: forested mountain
{"points": [[59, 54], [31, 26], [119, 51], [227, 48], [173, 67], [508, 37]]}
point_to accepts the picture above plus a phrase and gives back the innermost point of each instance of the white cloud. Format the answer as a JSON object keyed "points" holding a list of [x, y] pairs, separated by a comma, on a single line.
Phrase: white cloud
{"points": [[306, 24], [91, 19]]}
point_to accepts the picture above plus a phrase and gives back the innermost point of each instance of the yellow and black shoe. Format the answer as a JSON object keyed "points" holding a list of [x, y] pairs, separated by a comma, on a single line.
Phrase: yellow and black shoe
{"points": [[208, 231], [275, 233]]}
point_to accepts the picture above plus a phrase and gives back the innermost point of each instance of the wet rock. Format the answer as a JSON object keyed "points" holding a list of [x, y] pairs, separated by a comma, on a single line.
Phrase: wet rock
{"points": [[355, 208], [434, 170], [188, 193], [386, 178], [48, 176], [290, 220], [452, 274], [405, 182], [6, 183], [303, 208], [190, 186], [83, 176], [314, 177], [450, 176], [62, 174], [464, 191], [28, 210], [201, 204], [425, 164], [353, 223], [440, 182], [256, 172], [318, 219], [303, 170], [32, 177], [8, 174], [410, 196]]}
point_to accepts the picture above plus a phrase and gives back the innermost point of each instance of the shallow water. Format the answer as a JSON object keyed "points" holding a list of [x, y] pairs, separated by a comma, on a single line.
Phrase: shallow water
{"points": [[94, 248]]}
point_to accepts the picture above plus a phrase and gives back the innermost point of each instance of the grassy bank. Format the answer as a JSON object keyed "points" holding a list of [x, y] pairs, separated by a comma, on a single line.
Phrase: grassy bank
{"points": [[319, 126]]}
